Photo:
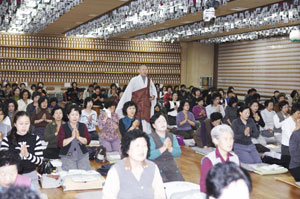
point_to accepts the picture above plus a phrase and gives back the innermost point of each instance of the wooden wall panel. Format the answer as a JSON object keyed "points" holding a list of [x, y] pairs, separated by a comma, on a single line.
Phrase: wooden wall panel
{"points": [[266, 64]]}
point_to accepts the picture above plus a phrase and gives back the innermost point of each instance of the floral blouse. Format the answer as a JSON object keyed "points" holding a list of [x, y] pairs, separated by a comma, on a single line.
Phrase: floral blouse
{"points": [[107, 126]]}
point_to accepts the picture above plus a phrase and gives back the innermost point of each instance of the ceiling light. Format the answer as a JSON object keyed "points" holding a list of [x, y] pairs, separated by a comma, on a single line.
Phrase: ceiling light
{"points": [[239, 9]]}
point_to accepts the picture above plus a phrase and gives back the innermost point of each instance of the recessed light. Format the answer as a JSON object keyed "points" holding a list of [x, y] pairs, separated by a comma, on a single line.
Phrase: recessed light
{"points": [[124, 0], [93, 15], [187, 22], [239, 9]]}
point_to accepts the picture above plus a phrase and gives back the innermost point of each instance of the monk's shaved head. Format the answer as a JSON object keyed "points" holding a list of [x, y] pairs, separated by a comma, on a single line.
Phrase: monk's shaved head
{"points": [[143, 70]]}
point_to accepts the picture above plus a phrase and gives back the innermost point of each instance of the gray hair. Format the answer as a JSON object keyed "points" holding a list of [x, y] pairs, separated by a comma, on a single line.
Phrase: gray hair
{"points": [[218, 130]]}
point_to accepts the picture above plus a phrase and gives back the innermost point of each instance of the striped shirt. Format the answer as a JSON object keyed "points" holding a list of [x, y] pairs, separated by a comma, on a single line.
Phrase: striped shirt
{"points": [[34, 148]]}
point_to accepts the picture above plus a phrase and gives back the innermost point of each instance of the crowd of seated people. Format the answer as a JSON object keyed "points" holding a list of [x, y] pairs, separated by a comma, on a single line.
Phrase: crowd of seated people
{"points": [[194, 113]]}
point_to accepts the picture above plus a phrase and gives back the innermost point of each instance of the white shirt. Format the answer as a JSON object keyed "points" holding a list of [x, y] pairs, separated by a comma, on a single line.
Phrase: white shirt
{"points": [[268, 119], [277, 122], [211, 109], [288, 127], [84, 118], [22, 105]]}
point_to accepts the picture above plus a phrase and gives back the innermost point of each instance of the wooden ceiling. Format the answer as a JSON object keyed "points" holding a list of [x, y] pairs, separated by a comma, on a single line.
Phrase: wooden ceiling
{"points": [[91, 9]]}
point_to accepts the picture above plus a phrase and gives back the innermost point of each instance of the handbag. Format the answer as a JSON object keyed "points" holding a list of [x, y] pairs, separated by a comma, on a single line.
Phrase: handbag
{"points": [[46, 167]]}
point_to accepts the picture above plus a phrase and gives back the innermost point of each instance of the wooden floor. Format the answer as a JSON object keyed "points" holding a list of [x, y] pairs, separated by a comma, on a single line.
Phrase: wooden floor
{"points": [[264, 187]]}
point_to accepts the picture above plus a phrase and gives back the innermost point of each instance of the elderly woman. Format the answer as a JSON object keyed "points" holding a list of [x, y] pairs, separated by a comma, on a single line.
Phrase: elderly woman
{"points": [[72, 138], [134, 176], [129, 122], [164, 148], [109, 127], [244, 129], [222, 137], [41, 117], [51, 132]]}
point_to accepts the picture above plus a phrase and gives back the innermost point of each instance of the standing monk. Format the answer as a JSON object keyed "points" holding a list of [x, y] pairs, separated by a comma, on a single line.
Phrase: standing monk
{"points": [[142, 91]]}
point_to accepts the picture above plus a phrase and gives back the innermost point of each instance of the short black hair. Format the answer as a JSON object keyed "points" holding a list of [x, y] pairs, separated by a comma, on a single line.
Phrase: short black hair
{"points": [[129, 137], [155, 117], [182, 102], [199, 99], [22, 84], [34, 94], [214, 96], [75, 108], [282, 104], [53, 99], [295, 108], [221, 175], [267, 102], [241, 109], [277, 91], [57, 108], [293, 93], [280, 95], [86, 100], [9, 157], [42, 99], [110, 103], [74, 83], [128, 104], [253, 102], [232, 100], [182, 86], [19, 192], [25, 91], [113, 85], [3, 111], [97, 87], [32, 86], [216, 116], [229, 91], [256, 96], [91, 86]]}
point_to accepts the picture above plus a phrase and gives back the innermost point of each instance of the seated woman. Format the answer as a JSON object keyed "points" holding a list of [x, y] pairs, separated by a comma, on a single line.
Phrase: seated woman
{"points": [[89, 118], [41, 117], [34, 104], [9, 162], [203, 138], [288, 127], [199, 110], [27, 145], [109, 127], [258, 120], [134, 176], [53, 103], [16, 94], [244, 129], [222, 137], [278, 119], [11, 107], [73, 93], [294, 148], [215, 106], [164, 148], [268, 115], [185, 120], [71, 139], [24, 100], [51, 132], [5, 124], [129, 122], [231, 111], [172, 108]]}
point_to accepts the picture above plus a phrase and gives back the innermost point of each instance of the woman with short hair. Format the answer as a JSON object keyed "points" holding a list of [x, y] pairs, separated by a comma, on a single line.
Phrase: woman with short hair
{"points": [[72, 139], [222, 137], [134, 176], [129, 122], [24, 100]]}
